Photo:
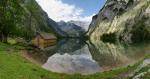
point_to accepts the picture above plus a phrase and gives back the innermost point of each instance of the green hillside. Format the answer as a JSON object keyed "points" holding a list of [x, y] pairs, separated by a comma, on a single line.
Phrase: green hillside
{"points": [[23, 18]]}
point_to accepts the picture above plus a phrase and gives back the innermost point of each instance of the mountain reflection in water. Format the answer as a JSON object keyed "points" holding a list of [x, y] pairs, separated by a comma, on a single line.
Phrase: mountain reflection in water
{"points": [[76, 56]]}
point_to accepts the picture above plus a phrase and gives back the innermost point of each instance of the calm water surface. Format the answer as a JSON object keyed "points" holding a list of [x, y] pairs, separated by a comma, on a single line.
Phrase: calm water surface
{"points": [[76, 56]]}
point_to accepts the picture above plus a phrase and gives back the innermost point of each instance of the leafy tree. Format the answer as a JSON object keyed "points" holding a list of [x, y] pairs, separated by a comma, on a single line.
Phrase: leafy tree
{"points": [[9, 16]]}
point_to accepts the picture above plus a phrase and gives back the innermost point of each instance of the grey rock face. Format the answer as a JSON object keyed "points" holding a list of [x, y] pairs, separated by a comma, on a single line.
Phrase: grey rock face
{"points": [[82, 24], [111, 9], [127, 19], [138, 73], [71, 29], [56, 28]]}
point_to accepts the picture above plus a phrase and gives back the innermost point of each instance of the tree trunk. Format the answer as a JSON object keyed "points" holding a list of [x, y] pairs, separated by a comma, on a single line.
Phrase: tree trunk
{"points": [[0, 37], [4, 38]]}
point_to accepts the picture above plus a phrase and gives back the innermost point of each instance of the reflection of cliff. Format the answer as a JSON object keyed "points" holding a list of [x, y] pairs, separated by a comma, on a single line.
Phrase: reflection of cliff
{"points": [[79, 61], [74, 56], [63, 46], [115, 55], [70, 45], [108, 55]]}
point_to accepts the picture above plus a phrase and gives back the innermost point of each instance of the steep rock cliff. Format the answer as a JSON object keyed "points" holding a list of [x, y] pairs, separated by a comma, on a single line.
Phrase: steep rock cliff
{"points": [[126, 20]]}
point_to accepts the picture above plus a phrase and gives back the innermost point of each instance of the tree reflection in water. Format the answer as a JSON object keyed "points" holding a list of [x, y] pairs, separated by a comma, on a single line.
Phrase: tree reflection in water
{"points": [[76, 56]]}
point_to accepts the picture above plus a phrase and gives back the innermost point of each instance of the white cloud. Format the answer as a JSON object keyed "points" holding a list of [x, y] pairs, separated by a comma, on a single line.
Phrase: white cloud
{"points": [[58, 10]]}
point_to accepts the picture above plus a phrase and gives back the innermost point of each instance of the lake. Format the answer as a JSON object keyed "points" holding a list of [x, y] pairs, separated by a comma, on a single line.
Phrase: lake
{"points": [[73, 56]]}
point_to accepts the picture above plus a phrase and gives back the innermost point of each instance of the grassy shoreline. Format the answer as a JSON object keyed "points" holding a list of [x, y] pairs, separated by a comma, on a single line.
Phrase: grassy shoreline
{"points": [[14, 66]]}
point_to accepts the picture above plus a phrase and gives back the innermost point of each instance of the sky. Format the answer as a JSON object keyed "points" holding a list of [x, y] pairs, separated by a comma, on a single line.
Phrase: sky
{"points": [[66, 10]]}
